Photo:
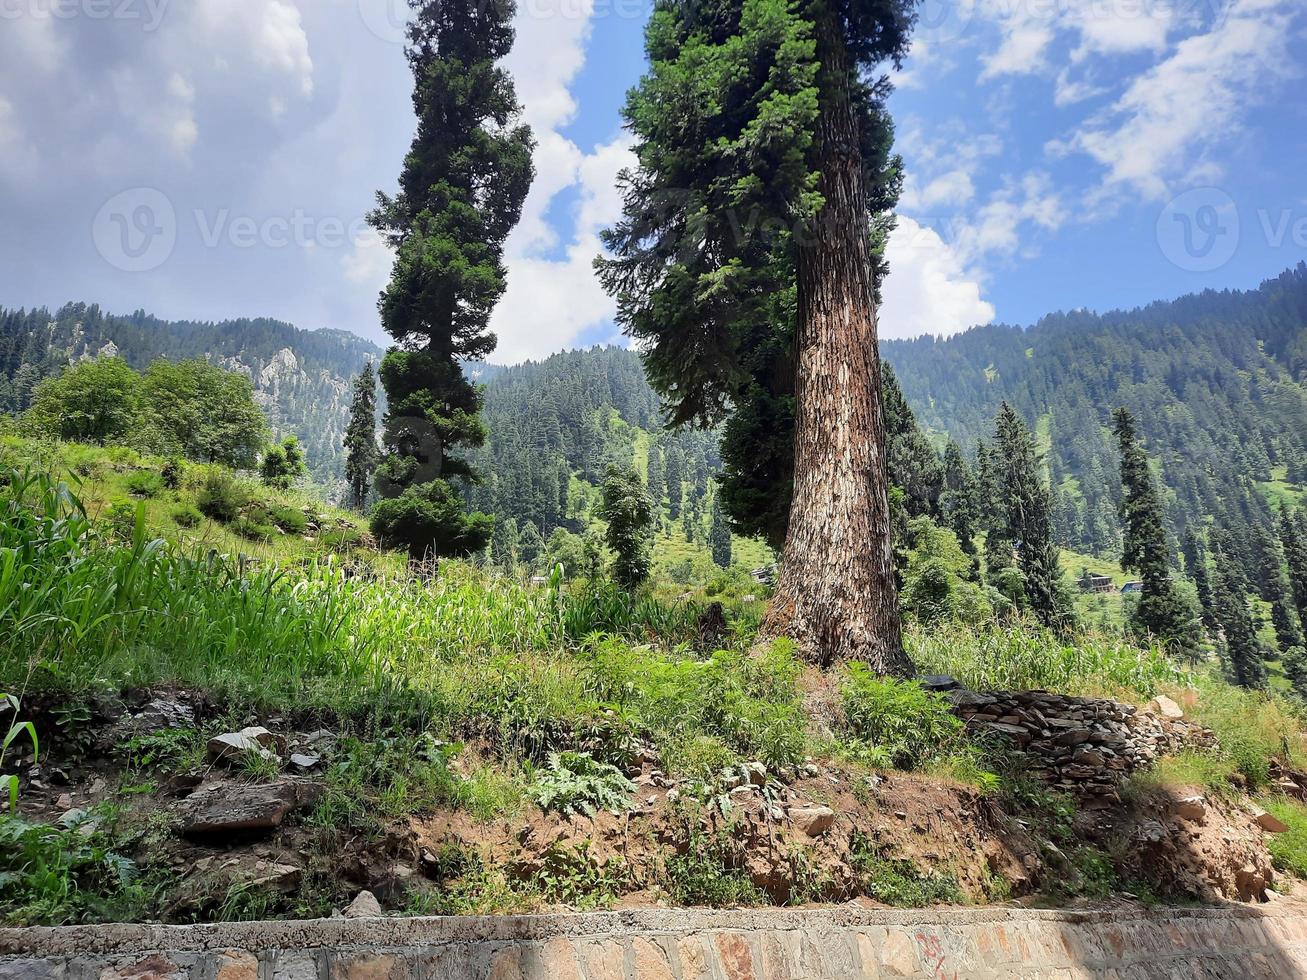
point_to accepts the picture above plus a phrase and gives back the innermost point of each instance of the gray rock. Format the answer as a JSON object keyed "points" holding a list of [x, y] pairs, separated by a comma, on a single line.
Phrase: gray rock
{"points": [[234, 808], [364, 906], [230, 746]]}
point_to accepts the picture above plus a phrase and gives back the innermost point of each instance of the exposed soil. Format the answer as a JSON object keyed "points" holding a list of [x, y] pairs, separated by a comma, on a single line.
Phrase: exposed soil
{"points": [[814, 836]]}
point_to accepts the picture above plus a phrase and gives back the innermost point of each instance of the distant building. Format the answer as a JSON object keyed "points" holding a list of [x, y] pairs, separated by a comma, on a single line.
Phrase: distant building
{"points": [[1132, 587], [1096, 583]]}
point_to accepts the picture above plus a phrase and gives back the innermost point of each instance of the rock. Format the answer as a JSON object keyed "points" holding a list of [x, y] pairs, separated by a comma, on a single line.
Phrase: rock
{"points": [[158, 715], [227, 808], [1165, 707], [364, 906], [970, 699], [64, 802], [232, 745], [1251, 883], [812, 820], [938, 682], [1269, 822], [1150, 832], [1190, 808], [757, 773], [305, 761], [283, 878]]}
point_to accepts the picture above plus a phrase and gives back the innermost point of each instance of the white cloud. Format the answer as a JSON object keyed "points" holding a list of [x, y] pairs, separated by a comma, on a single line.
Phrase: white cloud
{"points": [[949, 189], [551, 301], [928, 290], [1161, 129]]}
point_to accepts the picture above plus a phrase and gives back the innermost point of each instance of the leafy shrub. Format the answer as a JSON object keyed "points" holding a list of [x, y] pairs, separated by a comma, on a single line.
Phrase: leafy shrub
{"points": [[430, 520], [56, 875], [253, 529], [902, 719], [121, 521], [1251, 727], [221, 497], [575, 783], [289, 519], [144, 483], [1289, 850], [171, 474], [341, 538], [899, 882], [187, 516], [709, 872]]}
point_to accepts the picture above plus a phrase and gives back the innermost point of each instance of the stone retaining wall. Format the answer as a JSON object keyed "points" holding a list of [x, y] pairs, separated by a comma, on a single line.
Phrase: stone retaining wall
{"points": [[846, 942], [1085, 746]]}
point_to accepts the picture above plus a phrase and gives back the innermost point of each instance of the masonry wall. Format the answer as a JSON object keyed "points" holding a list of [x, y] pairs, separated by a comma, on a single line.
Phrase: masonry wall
{"points": [[848, 942]]}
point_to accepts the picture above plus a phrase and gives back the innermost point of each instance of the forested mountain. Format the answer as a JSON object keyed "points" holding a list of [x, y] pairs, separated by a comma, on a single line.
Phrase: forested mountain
{"points": [[1217, 382], [301, 377]]}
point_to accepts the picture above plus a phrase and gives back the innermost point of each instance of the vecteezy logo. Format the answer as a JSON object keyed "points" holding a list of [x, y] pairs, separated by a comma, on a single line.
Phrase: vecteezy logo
{"points": [[1198, 231], [136, 230], [387, 19], [943, 20]]}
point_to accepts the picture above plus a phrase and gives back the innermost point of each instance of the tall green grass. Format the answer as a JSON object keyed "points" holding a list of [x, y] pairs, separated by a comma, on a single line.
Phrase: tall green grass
{"points": [[1025, 656]]}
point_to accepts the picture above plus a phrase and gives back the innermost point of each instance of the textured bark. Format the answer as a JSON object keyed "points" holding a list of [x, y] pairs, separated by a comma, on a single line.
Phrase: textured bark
{"points": [[837, 596]]}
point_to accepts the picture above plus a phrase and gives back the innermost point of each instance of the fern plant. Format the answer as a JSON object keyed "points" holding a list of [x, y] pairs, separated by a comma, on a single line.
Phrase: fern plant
{"points": [[575, 783]]}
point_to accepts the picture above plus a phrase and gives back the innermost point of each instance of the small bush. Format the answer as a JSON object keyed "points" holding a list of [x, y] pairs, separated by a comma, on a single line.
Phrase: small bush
{"points": [[186, 516], [144, 483], [289, 519], [1251, 727], [1289, 850], [906, 722], [710, 873], [574, 783], [57, 875], [900, 883], [221, 497], [253, 529]]}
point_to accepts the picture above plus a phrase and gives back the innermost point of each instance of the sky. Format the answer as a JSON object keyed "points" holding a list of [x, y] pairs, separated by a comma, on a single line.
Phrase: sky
{"points": [[211, 159]]}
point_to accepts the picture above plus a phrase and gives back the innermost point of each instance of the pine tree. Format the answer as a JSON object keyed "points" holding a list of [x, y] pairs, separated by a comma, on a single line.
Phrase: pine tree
{"points": [[504, 543], [626, 506], [361, 453], [675, 480], [530, 545], [719, 536], [461, 192], [1026, 508], [1243, 653], [657, 476], [747, 264], [1161, 611], [1294, 541], [957, 502]]}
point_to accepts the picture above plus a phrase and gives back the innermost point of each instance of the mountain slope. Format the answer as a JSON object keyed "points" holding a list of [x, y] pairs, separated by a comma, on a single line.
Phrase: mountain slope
{"points": [[301, 377]]}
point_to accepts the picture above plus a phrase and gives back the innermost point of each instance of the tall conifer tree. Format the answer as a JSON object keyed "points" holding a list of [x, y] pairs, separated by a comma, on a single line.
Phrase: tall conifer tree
{"points": [[719, 536], [747, 263], [361, 452], [461, 192], [1027, 519], [1161, 610]]}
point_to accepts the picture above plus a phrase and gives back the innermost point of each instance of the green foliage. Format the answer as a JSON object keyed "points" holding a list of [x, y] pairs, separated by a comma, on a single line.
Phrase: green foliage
{"points": [[709, 871], [94, 401], [1251, 727], [15, 728], [898, 882], [429, 520], [629, 513], [221, 497], [1289, 850], [361, 451], [1023, 656], [61, 875], [901, 719], [199, 411], [144, 483], [935, 585], [283, 465], [576, 784], [461, 192]]}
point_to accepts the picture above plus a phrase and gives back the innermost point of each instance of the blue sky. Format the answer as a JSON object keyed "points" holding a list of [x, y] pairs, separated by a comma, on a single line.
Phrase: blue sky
{"points": [[215, 158]]}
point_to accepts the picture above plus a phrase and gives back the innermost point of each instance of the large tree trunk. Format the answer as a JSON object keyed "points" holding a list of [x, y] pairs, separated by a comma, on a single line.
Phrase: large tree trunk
{"points": [[836, 596]]}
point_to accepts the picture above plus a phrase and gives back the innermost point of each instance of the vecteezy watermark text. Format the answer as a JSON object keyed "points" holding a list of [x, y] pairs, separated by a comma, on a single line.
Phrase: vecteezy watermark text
{"points": [[149, 13], [138, 230]]}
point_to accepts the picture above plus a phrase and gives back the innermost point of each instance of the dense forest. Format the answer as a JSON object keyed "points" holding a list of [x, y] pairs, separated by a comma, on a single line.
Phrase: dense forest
{"points": [[1216, 381]]}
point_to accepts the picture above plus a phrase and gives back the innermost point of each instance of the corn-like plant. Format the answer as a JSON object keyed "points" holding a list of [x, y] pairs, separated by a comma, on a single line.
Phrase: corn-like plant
{"points": [[17, 727]]}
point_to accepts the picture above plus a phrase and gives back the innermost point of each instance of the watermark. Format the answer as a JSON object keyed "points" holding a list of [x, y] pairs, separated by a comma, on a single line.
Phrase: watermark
{"points": [[1198, 231], [138, 230], [149, 13], [389, 20]]}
